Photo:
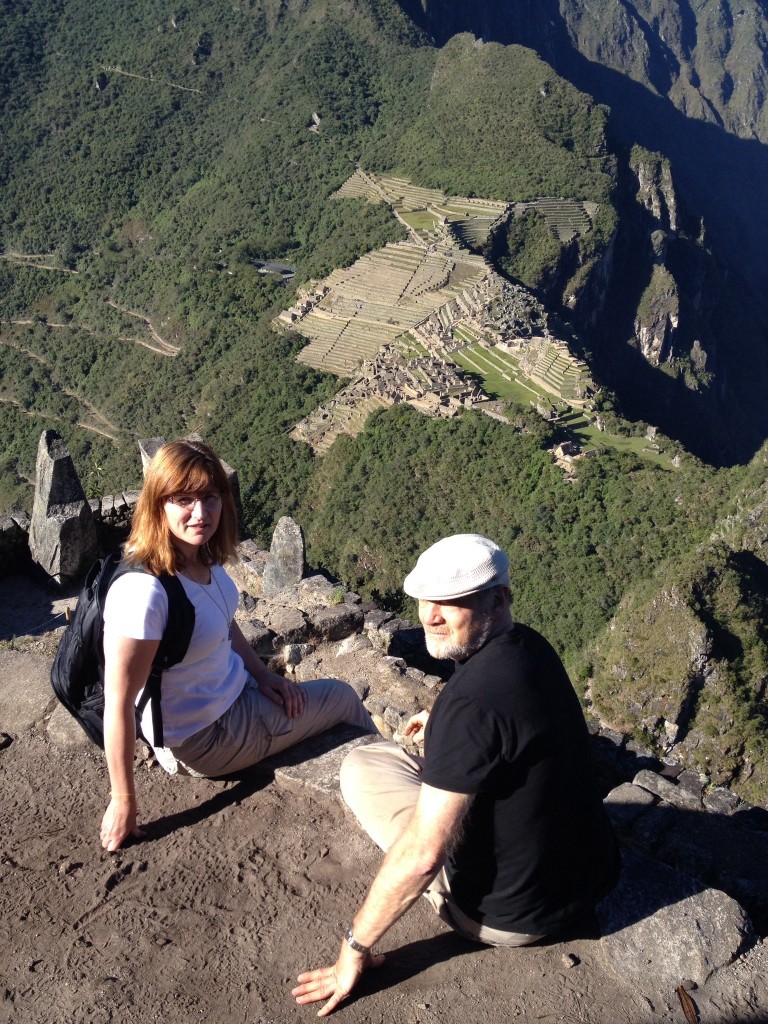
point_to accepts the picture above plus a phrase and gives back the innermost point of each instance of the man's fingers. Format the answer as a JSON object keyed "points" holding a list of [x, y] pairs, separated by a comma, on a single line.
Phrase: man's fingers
{"points": [[332, 1003], [313, 982]]}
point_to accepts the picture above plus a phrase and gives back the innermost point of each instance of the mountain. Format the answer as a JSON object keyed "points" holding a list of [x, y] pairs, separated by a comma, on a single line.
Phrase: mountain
{"points": [[687, 82], [682, 79]]}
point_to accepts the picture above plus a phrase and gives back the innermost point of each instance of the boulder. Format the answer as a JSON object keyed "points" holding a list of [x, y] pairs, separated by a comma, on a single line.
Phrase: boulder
{"points": [[259, 636], [148, 449], [62, 535], [26, 694], [663, 925], [336, 622], [288, 623], [285, 564]]}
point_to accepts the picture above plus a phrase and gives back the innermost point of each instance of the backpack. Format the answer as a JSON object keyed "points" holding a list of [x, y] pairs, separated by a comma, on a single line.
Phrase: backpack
{"points": [[77, 675]]}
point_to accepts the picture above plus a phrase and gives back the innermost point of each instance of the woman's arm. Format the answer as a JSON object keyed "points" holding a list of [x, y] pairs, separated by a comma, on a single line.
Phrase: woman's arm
{"points": [[127, 666], [276, 688]]}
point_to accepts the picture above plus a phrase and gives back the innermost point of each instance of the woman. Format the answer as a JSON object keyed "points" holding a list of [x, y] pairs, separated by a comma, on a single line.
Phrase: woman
{"points": [[222, 709]]}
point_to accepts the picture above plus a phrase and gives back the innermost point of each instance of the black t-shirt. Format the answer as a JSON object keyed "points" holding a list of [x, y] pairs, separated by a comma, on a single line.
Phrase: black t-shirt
{"points": [[537, 848]]}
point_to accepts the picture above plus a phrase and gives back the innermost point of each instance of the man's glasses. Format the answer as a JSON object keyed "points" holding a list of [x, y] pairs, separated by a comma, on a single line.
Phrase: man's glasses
{"points": [[188, 501]]}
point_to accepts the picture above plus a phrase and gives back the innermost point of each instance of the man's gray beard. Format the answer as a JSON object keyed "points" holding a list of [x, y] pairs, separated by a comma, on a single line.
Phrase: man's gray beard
{"points": [[441, 647]]}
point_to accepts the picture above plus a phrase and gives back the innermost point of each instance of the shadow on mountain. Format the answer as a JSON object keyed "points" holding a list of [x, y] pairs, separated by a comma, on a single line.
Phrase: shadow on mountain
{"points": [[721, 179]]}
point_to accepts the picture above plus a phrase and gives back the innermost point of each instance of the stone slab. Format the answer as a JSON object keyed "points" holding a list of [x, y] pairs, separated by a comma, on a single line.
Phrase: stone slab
{"points": [[661, 927], [64, 731], [26, 695], [315, 762]]}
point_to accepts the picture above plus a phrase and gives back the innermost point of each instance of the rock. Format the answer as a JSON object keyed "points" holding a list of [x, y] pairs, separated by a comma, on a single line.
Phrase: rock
{"points": [[259, 636], [716, 849], [285, 564], [382, 726], [288, 623], [738, 993], [62, 535], [375, 618], [351, 644], [315, 762], [14, 545], [625, 804], [248, 570], [318, 591], [64, 730], [677, 795], [337, 622], [246, 602], [148, 449], [26, 695], [660, 924], [721, 801], [294, 654]]}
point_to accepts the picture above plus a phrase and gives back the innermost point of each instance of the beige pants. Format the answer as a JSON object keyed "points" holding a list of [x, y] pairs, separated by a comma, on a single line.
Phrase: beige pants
{"points": [[255, 727], [380, 783]]}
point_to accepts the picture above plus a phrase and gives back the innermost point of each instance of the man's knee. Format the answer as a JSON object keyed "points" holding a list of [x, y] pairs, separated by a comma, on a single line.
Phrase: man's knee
{"points": [[353, 775]]}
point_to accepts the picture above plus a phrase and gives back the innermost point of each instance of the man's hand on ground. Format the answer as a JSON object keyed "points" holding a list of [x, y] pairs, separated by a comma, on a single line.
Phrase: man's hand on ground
{"points": [[334, 983]]}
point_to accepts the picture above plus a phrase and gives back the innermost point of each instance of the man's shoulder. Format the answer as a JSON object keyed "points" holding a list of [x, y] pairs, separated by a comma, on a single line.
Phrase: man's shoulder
{"points": [[517, 660], [518, 639]]}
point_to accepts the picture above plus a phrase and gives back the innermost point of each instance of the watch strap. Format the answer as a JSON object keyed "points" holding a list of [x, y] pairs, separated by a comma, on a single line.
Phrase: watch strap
{"points": [[357, 946]]}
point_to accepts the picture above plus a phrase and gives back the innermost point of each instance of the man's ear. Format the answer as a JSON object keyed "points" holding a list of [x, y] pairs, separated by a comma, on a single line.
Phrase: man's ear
{"points": [[500, 597]]}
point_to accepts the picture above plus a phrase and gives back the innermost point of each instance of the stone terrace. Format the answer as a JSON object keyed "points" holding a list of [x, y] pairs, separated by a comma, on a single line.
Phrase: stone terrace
{"points": [[565, 218], [378, 298]]}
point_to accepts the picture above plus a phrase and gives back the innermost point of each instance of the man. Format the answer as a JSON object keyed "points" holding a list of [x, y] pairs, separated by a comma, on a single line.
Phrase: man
{"points": [[499, 825]]}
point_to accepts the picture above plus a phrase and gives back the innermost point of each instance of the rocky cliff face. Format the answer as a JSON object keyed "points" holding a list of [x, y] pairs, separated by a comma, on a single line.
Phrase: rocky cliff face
{"points": [[658, 313], [671, 671], [707, 58]]}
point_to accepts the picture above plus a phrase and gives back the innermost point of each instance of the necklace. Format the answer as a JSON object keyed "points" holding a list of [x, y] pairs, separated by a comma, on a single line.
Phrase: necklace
{"points": [[206, 590]]}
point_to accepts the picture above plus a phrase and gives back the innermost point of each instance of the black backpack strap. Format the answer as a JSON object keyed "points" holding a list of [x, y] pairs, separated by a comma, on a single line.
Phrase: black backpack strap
{"points": [[173, 646]]}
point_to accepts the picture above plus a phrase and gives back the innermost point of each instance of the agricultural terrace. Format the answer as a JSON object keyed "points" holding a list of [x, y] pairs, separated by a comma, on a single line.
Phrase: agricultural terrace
{"points": [[433, 297], [355, 312]]}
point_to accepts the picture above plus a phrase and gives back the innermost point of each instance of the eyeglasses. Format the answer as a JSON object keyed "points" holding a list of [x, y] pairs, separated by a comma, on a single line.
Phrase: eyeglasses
{"points": [[188, 501]]}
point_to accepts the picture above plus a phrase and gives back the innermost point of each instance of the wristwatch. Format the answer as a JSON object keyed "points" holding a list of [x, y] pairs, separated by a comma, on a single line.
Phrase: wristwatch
{"points": [[357, 946]]}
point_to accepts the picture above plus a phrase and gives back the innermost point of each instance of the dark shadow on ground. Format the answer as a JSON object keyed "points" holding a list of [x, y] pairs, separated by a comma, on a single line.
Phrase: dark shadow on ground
{"points": [[245, 786]]}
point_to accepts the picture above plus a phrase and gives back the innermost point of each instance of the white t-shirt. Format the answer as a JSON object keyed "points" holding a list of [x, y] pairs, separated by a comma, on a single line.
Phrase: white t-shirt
{"points": [[210, 678]]}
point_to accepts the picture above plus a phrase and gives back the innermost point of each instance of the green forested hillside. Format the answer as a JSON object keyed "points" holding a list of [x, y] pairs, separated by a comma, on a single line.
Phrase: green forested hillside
{"points": [[155, 153], [576, 547], [150, 154]]}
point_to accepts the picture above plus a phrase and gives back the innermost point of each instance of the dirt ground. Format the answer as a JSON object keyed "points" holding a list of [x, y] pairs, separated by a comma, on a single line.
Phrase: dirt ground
{"points": [[239, 886]]}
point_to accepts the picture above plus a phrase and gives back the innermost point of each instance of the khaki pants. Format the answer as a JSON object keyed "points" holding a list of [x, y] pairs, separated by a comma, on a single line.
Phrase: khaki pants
{"points": [[380, 783], [255, 727]]}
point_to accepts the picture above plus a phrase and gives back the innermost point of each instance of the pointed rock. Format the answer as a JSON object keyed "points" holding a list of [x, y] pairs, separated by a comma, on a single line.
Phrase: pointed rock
{"points": [[285, 563], [62, 535], [148, 449]]}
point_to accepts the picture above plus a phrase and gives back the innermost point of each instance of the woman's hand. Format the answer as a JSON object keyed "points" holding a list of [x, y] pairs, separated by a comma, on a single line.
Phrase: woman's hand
{"points": [[119, 822], [283, 691], [127, 663]]}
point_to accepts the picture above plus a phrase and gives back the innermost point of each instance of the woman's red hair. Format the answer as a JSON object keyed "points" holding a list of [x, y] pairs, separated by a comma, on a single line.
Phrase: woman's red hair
{"points": [[180, 467]]}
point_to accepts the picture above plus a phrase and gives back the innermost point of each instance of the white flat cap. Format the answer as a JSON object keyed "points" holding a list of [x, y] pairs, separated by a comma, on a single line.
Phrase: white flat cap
{"points": [[456, 566]]}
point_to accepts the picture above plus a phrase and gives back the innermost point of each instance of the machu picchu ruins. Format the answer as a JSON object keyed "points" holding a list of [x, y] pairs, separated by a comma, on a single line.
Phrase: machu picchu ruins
{"points": [[422, 319]]}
